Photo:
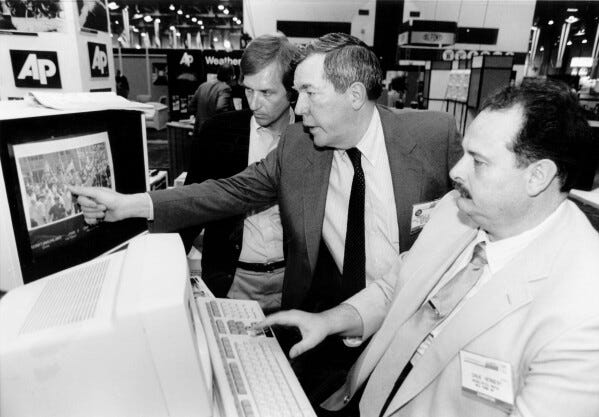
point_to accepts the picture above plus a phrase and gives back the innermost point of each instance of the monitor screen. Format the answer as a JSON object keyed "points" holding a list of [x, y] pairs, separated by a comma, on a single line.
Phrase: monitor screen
{"points": [[41, 156]]}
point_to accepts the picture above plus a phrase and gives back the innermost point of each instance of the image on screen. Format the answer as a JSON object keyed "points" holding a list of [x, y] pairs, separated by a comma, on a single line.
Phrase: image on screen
{"points": [[45, 169]]}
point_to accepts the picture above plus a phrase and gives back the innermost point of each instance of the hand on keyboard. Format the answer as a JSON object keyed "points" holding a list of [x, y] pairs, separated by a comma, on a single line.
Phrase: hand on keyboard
{"points": [[313, 327]]}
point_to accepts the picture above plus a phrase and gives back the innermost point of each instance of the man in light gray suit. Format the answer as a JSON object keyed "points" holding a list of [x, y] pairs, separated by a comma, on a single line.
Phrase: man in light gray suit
{"points": [[493, 311], [402, 161]]}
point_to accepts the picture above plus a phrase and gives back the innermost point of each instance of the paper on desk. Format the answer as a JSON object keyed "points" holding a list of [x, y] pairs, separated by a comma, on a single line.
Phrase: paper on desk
{"points": [[85, 101]]}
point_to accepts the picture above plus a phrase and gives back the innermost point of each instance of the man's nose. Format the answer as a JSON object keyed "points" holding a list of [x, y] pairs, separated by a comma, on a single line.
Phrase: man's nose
{"points": [[300, 105], [458, 169], [254, 102]]}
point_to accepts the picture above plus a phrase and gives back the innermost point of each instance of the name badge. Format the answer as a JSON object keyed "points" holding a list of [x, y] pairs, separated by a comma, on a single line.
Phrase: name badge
{"points": [[420, 215], [488, 379]]}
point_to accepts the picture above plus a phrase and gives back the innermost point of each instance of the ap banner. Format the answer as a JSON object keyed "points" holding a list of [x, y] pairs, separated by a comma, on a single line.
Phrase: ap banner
{"points": [[185, 73], [98, 59], [35, 69]]}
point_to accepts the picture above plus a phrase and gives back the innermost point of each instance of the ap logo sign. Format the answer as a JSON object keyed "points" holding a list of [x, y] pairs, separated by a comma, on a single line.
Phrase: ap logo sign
{"points": [[98, 59], [35, 69], [186, 59]]}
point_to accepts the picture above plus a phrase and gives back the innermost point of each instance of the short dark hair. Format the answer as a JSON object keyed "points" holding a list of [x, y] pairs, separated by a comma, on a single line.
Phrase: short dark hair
{"points": [[553, 127], [347, 60], [266, 49], [225, 73]]}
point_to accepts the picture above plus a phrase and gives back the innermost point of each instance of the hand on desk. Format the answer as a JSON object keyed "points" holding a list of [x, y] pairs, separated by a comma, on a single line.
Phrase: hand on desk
{"points": [[99, 204], [313, 327]]}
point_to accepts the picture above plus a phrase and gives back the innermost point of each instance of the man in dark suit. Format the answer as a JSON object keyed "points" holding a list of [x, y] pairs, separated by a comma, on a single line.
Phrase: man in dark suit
{"points": [[405, 160], [242, 256], [212, 97]]}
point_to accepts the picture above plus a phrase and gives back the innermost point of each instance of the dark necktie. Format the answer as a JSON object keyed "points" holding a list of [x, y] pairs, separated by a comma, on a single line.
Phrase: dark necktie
{"points": [[418, 327], [354, 259]]}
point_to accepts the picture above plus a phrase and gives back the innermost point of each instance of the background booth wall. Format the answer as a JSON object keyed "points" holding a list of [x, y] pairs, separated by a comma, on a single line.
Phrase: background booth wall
{"points": [[70, 43]]}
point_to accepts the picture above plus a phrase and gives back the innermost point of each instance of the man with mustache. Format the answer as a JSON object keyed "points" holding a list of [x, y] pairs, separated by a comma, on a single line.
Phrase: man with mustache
{"points": [[494, 310]]}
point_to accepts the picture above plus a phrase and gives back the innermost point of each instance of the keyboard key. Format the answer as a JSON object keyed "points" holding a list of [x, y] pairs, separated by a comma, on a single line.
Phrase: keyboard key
{"points": [[214, 308], [221, 326], [237, 379]]}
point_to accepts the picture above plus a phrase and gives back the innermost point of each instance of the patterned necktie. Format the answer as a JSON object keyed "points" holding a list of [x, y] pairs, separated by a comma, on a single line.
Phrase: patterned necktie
{"points": [[418, 327], [354, 259]]}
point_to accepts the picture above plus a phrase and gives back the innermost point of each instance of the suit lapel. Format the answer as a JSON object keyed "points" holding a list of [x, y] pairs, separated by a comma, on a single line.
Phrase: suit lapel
{"points": [[406, 169], [505, 293], [318, 169], [423, 272]]}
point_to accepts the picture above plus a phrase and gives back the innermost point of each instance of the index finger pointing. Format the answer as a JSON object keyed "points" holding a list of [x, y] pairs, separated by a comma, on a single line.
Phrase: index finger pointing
{"points": [[283, 318]]}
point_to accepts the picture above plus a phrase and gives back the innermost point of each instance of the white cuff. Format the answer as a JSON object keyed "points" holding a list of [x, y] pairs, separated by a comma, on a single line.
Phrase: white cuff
{"points": [[150, 207]]}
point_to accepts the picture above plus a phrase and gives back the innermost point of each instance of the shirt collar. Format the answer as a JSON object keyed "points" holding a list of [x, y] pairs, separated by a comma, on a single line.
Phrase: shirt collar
{"points": [[369, 145], [500, 252], [256, 127]]}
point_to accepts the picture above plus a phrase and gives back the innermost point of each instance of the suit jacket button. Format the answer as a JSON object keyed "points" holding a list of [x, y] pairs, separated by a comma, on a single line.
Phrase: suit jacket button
{"points": [[346, 398]]}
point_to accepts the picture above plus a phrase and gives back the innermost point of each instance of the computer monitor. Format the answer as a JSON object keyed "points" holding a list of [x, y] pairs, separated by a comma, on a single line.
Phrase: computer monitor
{"points": [[42, 230], [117, 336]]}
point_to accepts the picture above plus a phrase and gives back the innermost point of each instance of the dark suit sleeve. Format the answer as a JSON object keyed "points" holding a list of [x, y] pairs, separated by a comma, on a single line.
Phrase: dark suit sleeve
{"points": [[224, 101], [255, 187], [193, 104]]}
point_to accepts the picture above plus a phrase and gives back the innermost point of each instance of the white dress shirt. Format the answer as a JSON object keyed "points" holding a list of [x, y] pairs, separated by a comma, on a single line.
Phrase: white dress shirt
{"points": [[381, 232], [262, 230]]}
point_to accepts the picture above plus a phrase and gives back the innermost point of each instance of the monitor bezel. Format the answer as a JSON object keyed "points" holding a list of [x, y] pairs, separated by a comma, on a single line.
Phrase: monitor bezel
{"points": [[129, 151]]}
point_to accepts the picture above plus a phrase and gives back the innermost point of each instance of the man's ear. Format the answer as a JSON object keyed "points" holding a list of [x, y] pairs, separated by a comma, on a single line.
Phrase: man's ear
{"points": [[357, 95], [541, 174]]}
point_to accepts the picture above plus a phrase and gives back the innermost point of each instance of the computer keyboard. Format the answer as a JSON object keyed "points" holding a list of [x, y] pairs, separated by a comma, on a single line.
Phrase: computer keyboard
{"points": [[252, 373]]}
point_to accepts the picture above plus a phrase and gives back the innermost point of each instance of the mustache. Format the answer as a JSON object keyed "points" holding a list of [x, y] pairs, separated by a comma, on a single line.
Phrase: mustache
{"points": [[459, 187]]}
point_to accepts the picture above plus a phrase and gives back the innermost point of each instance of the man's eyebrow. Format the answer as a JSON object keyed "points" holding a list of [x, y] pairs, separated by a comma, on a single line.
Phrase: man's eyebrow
{"points": [[475, 153], [302, 86]]}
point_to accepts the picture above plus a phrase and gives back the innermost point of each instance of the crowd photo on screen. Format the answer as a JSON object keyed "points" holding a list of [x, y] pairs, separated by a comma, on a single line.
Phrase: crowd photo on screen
{"points": [[46, 197]]}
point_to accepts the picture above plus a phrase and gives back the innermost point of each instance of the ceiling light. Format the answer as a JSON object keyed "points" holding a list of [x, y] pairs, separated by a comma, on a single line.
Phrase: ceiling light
{"points": [[134, 29], [171, 27], [569, 43], [542, 49], [200, 22], [221, 7], [179, 11], [171, 8], [187, 16], [194, 19], [239, 22], [226, 11], [157, 20], [215, 39], [137, 16], [227, 44], [178, 33], [572, 9], [148, 18], [112, 5], [571, 19], [116, 22], [584, 41], [202, 27], [550, 22]]}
